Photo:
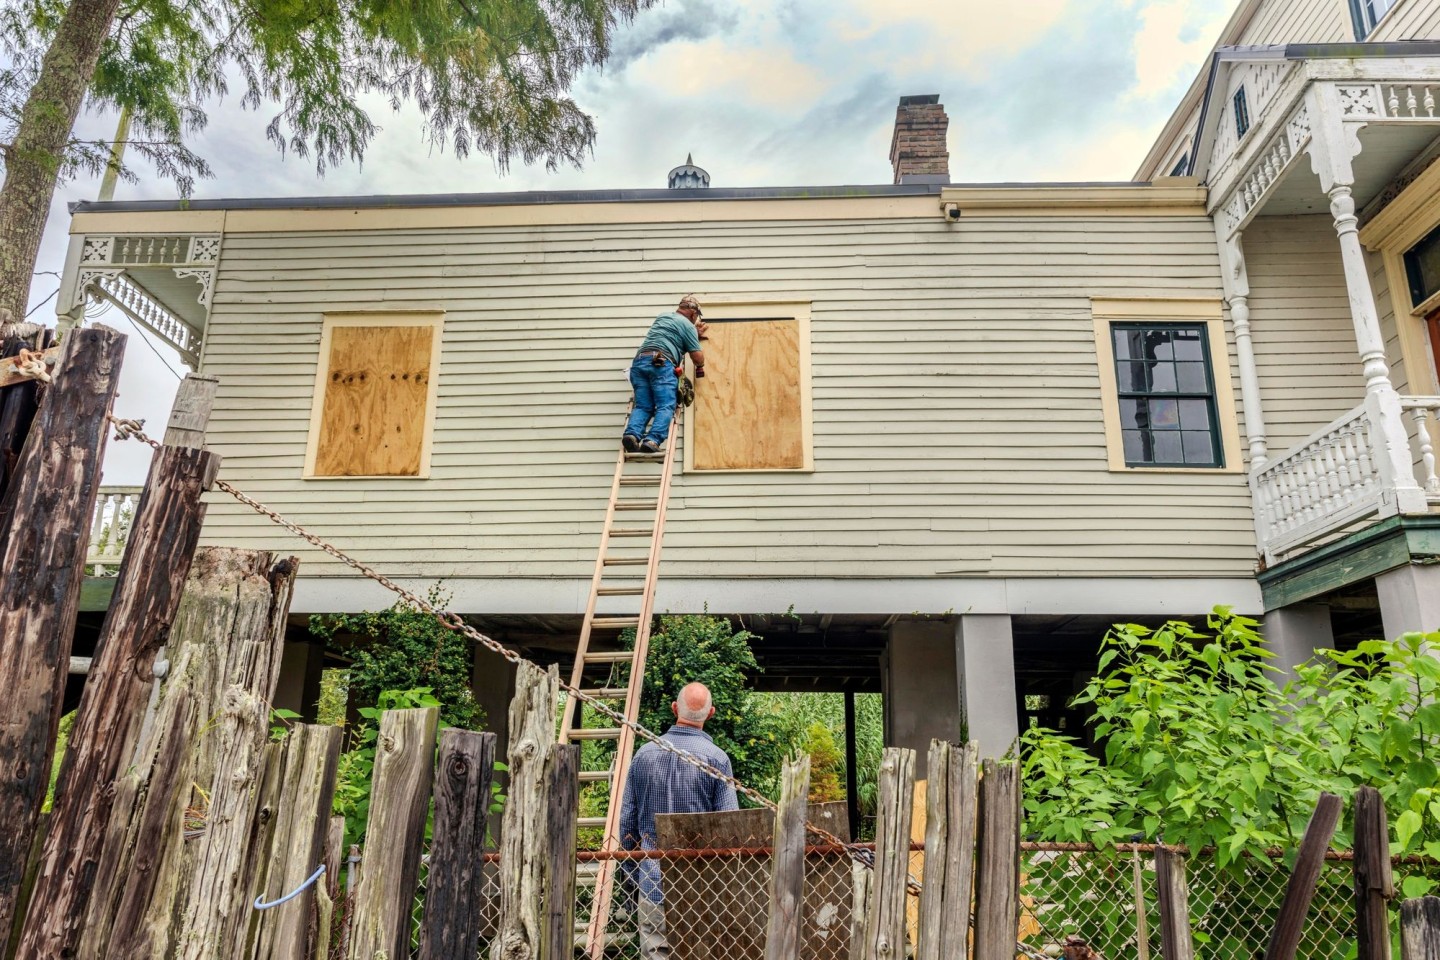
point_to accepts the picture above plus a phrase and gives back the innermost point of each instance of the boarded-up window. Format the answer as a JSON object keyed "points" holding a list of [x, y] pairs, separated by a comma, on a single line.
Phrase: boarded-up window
{"points": [[752, 410], [375, 396]]}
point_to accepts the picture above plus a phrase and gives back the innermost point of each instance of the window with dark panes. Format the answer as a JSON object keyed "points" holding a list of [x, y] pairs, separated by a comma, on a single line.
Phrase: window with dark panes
{"points": [[1242, 113], [1422, 268], [1166, 388]]}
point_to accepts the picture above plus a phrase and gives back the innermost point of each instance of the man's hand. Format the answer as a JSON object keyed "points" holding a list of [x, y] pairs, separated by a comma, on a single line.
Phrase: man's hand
{"points": [[702, 328], [699, 372]]}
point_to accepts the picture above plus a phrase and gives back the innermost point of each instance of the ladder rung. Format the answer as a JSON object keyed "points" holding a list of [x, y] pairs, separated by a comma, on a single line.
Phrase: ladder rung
{"points": [[594, 776], [620, 592], [631, 531], [596, 733], [605, 693], [615, 623], [610, 656], [646, 457], [639, 481], [626, 561], [591, 821], [637, 505]]}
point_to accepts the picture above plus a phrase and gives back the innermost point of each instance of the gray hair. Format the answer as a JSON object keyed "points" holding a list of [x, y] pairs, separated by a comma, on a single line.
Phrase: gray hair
{"points": [[694, 714]]}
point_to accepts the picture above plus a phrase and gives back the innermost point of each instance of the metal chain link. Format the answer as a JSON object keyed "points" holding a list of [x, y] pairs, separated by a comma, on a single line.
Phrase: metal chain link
{"points": [[127, 429]]}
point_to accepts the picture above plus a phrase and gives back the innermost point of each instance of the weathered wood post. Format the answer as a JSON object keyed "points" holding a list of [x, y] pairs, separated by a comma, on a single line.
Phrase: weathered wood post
{"points": [[951, 801], [1374, 881], [523, 848], [42, 555], [301, 821], [451, 926], [151, 579], [1290, 922], [787, 863], [997, 894], [1420, 929], [19, 403], [885, 919], [862, 880], [1177, 941], [399, 799], [225, 653], [562, 812]]}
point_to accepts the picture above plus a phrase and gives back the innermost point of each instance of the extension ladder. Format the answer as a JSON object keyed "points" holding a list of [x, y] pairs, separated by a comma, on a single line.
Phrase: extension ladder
{"points": [[627, 565]]}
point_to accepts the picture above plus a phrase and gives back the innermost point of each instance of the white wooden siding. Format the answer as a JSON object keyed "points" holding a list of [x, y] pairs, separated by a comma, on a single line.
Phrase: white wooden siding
{"points": [[957, 427], [1300, 21], [1410, 20], [1300, 320]]}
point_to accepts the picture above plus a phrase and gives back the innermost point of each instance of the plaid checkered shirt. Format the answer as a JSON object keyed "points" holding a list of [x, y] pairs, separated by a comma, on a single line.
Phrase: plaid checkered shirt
{"points": [[660, 782]]}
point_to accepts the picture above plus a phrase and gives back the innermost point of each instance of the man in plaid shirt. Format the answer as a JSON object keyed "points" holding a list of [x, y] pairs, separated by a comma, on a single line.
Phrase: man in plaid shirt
{"points": [[660, 782]]}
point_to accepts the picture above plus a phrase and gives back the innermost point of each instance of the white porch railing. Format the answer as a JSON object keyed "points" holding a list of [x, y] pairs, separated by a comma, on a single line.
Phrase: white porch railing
{"points": [[1333, 480], [110, 528]]}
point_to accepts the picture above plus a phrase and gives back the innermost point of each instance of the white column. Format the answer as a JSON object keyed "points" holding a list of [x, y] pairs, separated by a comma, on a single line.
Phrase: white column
{"points": [[1409, 599], [922, 702], [1294, 633], [985, 664], [1334, 144], [1237, 294]]}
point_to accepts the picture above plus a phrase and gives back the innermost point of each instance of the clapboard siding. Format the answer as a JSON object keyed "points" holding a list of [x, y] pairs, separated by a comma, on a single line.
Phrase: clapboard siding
{"points": [[1300, 21], [1410, 20], [957, 421]]}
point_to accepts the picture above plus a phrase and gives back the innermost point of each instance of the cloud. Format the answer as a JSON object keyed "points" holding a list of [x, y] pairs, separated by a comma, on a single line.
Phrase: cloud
{"points": [[653, 29]]}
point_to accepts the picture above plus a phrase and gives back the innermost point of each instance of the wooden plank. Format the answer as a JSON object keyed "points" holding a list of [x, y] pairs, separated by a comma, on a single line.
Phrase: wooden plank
{"points": [[748, 407], [562, 812], [454, 918], [42, 554], [225, 654], [1420, 929], [885, 918], [523, 847], [190, 414], [1290, 922], [376, 392], [1374, 880], [950, 820], [152, 577], [309, 757], [787, 864], [400, 798], [997, 881], [1177, 942]]}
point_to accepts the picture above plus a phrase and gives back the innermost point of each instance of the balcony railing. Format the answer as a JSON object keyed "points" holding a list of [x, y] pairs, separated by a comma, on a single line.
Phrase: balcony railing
{"points": [[110, 529], [1333, 480]]}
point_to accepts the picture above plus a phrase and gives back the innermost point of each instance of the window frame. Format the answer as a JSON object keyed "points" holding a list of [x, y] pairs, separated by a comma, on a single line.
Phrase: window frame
{"points": [[1205, 313], [1240, 107], [1206, 395], [374, 318], [1361, 17], [722, 308]]}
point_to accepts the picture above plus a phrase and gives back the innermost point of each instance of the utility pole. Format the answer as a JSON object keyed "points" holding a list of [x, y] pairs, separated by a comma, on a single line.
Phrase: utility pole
{"points": [[117, 153]]}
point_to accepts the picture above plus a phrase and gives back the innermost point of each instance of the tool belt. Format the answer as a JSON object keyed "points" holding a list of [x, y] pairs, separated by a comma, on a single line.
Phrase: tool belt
{"points": [[658, 359]]}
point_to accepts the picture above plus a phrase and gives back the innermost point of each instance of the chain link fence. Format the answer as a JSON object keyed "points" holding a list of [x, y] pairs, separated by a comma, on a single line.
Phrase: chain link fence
{"points": [[714, 902]]}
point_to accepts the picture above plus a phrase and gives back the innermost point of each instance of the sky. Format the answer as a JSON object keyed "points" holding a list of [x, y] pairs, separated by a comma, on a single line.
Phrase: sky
{"points": [[762, 93]]}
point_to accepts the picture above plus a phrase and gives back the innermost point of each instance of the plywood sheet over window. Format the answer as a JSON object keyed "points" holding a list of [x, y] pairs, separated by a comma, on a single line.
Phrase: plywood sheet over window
{"points": [[752, 410], [375, 394]]}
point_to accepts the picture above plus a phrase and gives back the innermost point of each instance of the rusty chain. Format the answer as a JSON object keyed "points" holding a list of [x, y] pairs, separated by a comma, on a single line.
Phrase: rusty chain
{"points": [[128, 429]]}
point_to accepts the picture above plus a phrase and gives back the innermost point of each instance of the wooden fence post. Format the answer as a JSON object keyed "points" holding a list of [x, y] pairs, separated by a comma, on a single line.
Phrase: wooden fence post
{"points": [[42, 555], [225, 652], [787, 863], [1374, 881], [1177, 942], [148, 587], [453, 918], [862, 882], [562, 812], [1420, 929], [885, 919], [523, 848], [997, 883], [301, 817], [945, 897], [19, 403], [399, 799], [1290, 922]]}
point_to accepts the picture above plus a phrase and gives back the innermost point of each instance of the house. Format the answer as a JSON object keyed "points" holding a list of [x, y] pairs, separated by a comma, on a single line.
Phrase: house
{"points": [[977, 423]]}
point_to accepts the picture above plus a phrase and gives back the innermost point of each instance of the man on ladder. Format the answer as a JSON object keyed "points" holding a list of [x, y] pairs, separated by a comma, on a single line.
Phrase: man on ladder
{"points": [[655, 373]]}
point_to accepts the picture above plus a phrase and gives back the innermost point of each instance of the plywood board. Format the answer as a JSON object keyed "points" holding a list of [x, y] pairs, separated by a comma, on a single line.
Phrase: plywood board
{"points": [[748, 413], [376, 390]]}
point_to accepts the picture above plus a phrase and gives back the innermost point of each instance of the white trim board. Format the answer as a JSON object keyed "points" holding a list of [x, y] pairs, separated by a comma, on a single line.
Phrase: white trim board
{"points": [[1073, 596]]}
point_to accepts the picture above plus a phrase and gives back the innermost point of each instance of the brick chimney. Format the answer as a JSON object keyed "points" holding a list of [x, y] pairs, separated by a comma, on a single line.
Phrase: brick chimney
{"points": [[917, 150]]}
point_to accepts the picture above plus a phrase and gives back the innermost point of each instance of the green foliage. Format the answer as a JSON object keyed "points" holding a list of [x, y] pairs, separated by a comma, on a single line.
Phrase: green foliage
{"points": [[407, 648], [334, 697], [826, 764], [280, 722], [796, 713], [491, 77], [357, 764], [62, 743], [1202, 747]]}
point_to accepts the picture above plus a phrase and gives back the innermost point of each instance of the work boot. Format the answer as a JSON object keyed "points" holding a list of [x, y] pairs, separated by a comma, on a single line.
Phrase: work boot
{"points": [[630, 442], [649, 446]]}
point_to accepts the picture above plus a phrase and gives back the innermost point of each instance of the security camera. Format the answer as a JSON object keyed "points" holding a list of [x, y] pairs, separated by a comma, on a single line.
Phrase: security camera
{"points": [[952, 210]]}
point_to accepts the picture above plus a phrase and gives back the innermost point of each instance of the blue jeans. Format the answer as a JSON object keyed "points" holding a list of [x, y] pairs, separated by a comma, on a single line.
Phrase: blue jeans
{"points": [[654, 399]]}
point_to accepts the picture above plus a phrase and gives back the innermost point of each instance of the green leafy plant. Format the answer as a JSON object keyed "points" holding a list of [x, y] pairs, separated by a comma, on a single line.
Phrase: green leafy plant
{"points": [[356, 767], [281, 720]]}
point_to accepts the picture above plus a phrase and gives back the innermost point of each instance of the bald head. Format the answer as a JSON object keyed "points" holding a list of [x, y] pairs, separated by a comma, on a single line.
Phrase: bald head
{"points": [[693, 706]]}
